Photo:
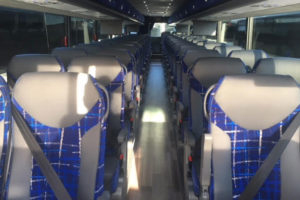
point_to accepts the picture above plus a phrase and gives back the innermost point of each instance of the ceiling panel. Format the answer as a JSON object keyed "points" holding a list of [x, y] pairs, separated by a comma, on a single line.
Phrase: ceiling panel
{"points": [[156, 8], [266, 7], [56, 7]]}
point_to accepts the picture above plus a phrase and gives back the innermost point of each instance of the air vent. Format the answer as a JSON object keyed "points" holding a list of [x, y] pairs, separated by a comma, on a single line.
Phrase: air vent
{"points": [[264, 5], [41, 2]]}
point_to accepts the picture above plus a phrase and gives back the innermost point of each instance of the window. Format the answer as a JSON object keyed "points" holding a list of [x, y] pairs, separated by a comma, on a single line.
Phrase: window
{"points": [[56, 29], [76, 31], [92, 29], [82, 31], [21, 32], [159, 28], [236, 32], [278, 35]]}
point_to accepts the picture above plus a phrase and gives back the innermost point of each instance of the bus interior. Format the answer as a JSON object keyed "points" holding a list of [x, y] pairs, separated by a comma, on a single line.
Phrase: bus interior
{"points": [[149, 99]]}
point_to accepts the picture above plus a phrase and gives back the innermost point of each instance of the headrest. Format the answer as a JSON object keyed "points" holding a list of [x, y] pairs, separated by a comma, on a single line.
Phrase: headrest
{"points": [[249, 57], [24, 63], [201, 43], [211, 45], [90, 48], [122, 54], [257, 102], [104, 69], [208, 71], [131, 48], [183, 49], [192, 55], [225, 50], [281, 66], [65, 54], [56, 99], [67, 51]]}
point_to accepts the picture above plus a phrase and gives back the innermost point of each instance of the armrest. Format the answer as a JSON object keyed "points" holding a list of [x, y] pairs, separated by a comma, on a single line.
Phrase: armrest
{"points": [[190, 138], [137, 93], [175, 90], [205, 166], [180, 106], [122, 135], [105, 196], [179, 113]]}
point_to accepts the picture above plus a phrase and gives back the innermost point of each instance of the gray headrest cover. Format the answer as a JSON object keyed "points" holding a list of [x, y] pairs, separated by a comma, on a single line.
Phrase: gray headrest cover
{"points": [[281, 66], [103, 68], [56, 99], [184, 49], [249, 57], [192, 55], [258, 102], [66, 51], [212, 45], [225, 50], [21, 64], [208, 71], [123, 56]]}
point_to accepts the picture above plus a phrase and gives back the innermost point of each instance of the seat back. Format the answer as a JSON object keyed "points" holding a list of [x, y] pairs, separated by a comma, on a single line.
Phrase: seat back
{"points": [[127, 59], [248, 114], [205, 73], [24, 63], [66, 54], [226, 50], [5, 121], [110, 73], [66, 113], [249, 57], [189, 59], [183, 49], [210, 45], [280, 66]]}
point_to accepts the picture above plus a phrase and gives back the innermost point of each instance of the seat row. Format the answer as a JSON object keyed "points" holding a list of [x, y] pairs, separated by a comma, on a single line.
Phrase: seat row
{"points": [[195, 77], [80, 105]]}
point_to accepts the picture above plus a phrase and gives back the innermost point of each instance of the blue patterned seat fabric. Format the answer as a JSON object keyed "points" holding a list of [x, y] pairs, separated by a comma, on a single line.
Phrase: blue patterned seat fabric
{"points": [[62, 148], [113, 149], [198, 87], [249, 148], [5, 120]]}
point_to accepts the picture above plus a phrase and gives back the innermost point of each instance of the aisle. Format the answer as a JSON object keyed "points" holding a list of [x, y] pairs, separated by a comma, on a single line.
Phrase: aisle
{"points": [[156, 159]]}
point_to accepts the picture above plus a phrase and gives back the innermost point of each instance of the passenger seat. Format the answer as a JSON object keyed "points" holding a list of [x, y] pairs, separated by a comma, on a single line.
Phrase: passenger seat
{"points": [[66, 113], [66, 54], [109, 72], [226, 50], [210, 45], [5, 122], [249, 57], [248, 115], [205, 73]]}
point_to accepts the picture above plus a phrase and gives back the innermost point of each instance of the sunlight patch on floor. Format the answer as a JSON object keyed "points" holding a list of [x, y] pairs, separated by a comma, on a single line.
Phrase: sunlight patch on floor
{"points": [[133, 183], [154, 114]]}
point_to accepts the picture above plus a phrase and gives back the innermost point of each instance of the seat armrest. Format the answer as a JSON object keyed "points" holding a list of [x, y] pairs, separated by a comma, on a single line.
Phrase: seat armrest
{"points": [[180, 106], [205, 166], [175, 90], [105, 196], [179, 113], [131, 109], [138, 93], [122, 135], [190, 138]]}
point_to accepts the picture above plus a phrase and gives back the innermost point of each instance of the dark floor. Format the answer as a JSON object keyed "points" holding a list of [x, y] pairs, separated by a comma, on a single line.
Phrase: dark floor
{"points": [[155, 155]]}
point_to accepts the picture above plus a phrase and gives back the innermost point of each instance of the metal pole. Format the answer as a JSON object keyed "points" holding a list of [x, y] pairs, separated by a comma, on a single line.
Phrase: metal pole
{"points": [[250, 23]]}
